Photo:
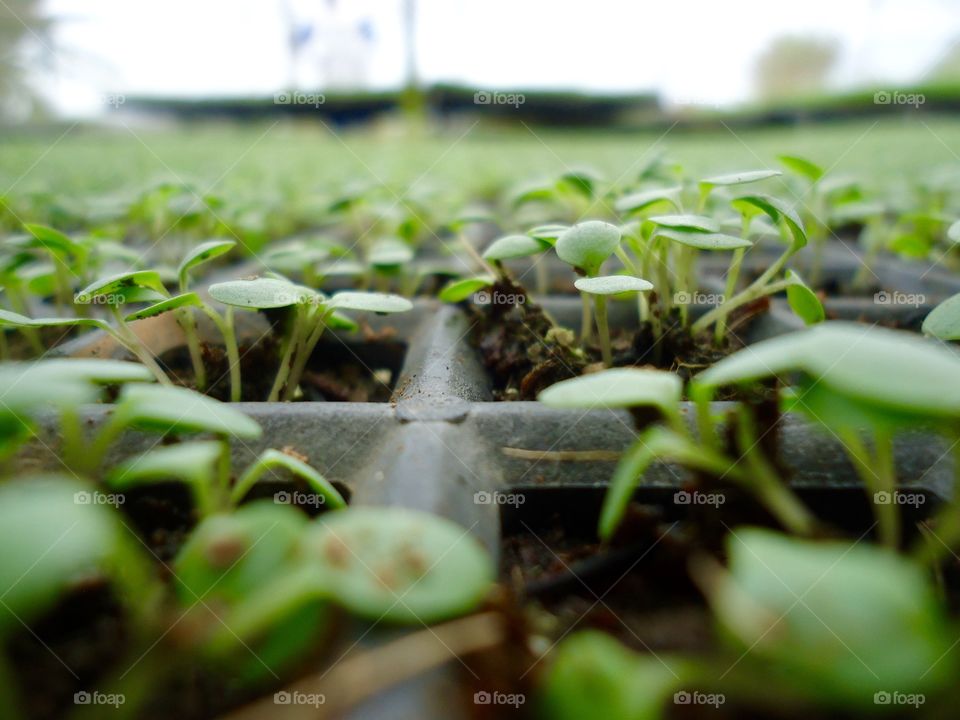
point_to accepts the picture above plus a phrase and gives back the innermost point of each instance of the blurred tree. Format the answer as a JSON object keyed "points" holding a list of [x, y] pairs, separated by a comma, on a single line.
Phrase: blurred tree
{"points": [[24, 42], [794, 65]]}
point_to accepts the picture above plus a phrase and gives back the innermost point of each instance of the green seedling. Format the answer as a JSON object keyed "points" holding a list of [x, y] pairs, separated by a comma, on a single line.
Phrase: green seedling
{"points": [[585, 247], [574, 191], [851, 379], [243, 576], [795, 603], [802, 300], [68, 258], [512, 247], [312, 313], [57, 541], [593, 675], [273, 574], [165, 410], [459, 290], [388, 259], [399, 565], [204, 466], [61, 385], [943, 322], [203, 253], [670, 439], [600, 288]]}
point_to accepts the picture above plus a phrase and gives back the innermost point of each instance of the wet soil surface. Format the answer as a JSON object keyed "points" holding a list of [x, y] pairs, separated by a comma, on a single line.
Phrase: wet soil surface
{"points": [[525, 351]]}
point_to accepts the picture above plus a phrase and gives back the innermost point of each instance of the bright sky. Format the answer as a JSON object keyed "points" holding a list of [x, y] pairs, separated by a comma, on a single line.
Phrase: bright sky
{"points": [[688, 50]]}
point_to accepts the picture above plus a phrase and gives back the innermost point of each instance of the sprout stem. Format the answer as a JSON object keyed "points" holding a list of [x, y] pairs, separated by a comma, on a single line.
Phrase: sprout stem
{"points": [[881, 480], [586, 321], [733, 274], [283, 371], [746, 296], [128, 339], [189, 325], [304, 351], [603, 329]]}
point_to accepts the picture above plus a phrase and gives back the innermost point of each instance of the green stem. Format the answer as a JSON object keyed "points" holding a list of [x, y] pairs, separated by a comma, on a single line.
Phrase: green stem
{"points": [[882, 480], [283, 372], [189, 325], [743, 298], [128, 339], [18, 303], [733, 274], [772, 492], [603, 329], [227, 330], [304, 353], [586, 320]]}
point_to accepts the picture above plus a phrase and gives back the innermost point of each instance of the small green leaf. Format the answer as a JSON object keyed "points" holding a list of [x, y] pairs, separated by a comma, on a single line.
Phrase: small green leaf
{"points": [[617, 388], [172, 409], [17, 320], [686, 222], [547, 233], [803, 167], [705, 240], [848, 591], [201, 254], [370, 302], [390, 252], [640, 201], [588, 244], [271, 460], [400, 565], [741, 178], [459, 290], [53, 240], [943, 322], [262, 293], [515, 246], [593, 675], [777, 209], [612, 284], [115, 284], [866, 363], [230, 557], [190, 299], [55, 539], [192, 462], [804, 301]]}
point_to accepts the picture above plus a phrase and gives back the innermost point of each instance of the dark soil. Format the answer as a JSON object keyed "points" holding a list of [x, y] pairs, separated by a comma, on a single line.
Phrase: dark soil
{"points": [[526, 352]]}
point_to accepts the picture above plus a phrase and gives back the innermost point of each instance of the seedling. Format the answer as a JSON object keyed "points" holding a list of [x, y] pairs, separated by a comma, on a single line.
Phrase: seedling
{"points": [[943, 322], [671, 440], [852, 379], [312, 313], [586, 246], [205, 467], [56, 542], [273, 574], [794, 603]]}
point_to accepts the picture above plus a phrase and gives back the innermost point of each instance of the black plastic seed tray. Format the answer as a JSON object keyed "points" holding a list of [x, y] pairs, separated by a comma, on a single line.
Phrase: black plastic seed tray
{"points": [[443, 445]]}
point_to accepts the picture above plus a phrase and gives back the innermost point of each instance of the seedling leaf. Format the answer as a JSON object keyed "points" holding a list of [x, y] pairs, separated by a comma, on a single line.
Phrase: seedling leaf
{"points": [[706, 240], [515, 246], [618, 388], [172, 409], [459, 290], [612, 284], [799, 165], [274, 459], [777, 209], [261, 293], [943, 322], [370, 302], [201, 254], [186, 300], [115, 284], [804, 301], [687, 222], [370, 557], [588, 244], [639, 201]]}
